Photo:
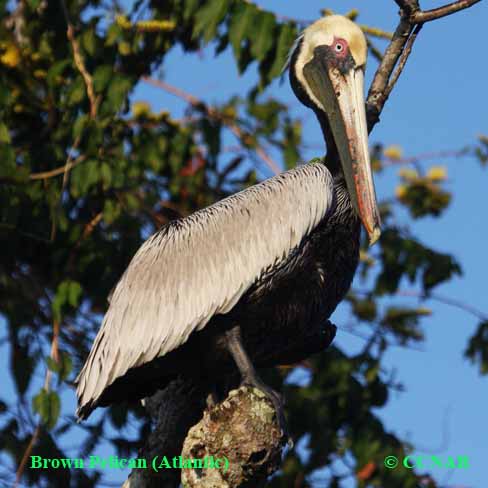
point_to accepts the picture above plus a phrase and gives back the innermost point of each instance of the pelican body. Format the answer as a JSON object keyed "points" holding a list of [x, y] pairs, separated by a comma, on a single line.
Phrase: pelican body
{"points": [[278, 255]]}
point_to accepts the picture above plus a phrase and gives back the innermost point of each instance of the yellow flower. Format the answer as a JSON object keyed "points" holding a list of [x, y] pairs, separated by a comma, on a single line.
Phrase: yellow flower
{"points": [[10, 55], [393, 152], [400, 191], [141, 109], [408, 174], [437, 173]]}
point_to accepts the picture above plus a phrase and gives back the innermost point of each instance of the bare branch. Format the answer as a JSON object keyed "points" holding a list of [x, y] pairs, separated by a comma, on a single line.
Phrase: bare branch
{"points": [[376, 32], [447, 301], [78, 59], [453, 302], [377, 92], [436, 13], [215, 114], [400, 48], [67, 168], [408, 6], [58, 171], [388, 161], [403, 60], [26, 455]]}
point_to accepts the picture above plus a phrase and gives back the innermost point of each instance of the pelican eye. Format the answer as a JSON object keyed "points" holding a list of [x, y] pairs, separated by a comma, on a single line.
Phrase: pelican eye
{"points": [[339, 47]]}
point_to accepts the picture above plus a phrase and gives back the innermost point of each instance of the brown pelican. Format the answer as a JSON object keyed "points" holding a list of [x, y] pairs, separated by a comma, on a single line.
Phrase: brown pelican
{"points": [[279, 254]]}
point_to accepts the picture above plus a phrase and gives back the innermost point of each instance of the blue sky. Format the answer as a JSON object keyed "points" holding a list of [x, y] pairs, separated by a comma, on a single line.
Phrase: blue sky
{"points": [[438, 104]]}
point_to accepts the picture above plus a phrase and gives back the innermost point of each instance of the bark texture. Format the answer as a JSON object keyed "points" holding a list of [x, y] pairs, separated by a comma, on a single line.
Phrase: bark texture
{"points": [[242, 432]]}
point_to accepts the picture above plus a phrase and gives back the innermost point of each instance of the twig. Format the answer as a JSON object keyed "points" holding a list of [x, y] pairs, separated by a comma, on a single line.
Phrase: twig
{"points": [[78, 59], [215, 114], [66, 170], [58, 171], [376, 95], [408, 6], [422, 157], [448, 301], [438, 298], [402, 61], [436, 13], [89, 228], [26, 455], [376, 32]]}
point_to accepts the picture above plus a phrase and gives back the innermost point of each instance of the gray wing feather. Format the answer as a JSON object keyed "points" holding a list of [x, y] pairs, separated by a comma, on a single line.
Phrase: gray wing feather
{"points": [[200, 266]]}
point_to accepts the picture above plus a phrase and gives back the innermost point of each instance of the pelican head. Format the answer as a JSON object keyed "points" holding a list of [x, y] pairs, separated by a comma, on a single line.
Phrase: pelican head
{"points": [[327, 66]]}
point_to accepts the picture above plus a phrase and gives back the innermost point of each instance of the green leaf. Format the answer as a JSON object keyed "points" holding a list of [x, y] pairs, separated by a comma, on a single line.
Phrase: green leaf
{"points": [[113, 34], [477, 349], [76, 92], [106, 173], [56, 70], [101, 77], [190, 7], [66, 366], [67, 293], [240, 26], [118, 91], [8, 168], [262, 41], [63, 367], [89, 41], [74, 293], [48, 405], [111, 210], [209, 17], [4, 134], [80, 125], [52, 364], [287, 36], [84, 176]]}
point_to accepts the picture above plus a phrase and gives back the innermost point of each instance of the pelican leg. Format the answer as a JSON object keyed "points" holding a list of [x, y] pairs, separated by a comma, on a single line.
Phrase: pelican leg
{"points": [[249, 374]]}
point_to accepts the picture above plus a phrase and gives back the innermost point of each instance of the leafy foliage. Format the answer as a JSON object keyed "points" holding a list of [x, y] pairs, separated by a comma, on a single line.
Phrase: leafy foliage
{"points": [[85, 177], [477, 349]]}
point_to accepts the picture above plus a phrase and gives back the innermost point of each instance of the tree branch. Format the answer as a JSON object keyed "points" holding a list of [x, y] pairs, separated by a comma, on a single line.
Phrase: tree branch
{"points": [[402, 60], [453, 302], [399, 49], [78, 59], [58, 171], [377, 93], [437, 13], [244, 436]]}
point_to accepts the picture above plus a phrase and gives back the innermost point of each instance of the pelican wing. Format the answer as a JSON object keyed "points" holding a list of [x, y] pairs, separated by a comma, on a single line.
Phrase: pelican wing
{"points": [[200, 266]]}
